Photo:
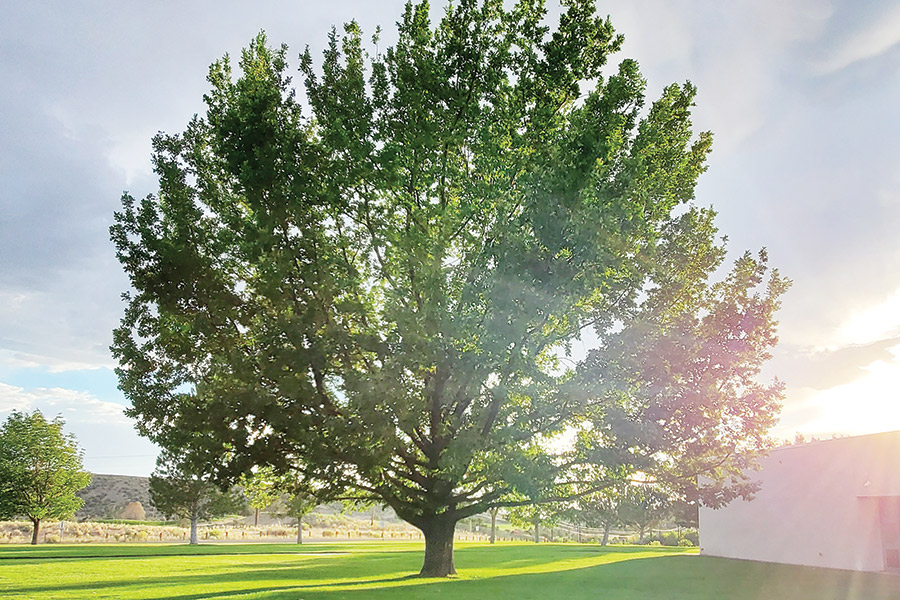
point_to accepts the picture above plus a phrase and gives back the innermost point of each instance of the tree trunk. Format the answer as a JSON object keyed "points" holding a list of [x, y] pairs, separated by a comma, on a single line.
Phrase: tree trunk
{"points": [[605, 535], [641, 535], [537, 533], [493, 525], [34, 531], [299, 530], [438, 548], [256, 518], [194, 518]]}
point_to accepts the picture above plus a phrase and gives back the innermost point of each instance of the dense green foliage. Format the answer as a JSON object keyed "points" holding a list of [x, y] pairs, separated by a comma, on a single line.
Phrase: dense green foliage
{"points": [[376, 571], [377, 295], [40, 470]]}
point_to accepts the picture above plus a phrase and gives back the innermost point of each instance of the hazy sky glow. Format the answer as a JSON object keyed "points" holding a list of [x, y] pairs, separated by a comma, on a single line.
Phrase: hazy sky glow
{"points": [[801, 95]]}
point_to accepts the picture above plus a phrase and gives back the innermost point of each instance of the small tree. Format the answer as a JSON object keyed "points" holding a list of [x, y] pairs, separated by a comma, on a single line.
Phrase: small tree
{"points": [[181, 487], [643, 507], [40, 470], [261, 491], [532, 516], [599, 510], [297, 502]]}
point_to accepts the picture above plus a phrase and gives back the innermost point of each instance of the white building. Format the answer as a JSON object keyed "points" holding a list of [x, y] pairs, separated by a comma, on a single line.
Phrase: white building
{"points": [[833, 504]]}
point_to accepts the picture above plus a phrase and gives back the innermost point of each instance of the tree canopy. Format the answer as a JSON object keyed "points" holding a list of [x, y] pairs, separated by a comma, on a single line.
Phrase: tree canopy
{"points": [[379, 291], [40, 470], [181, 486]]}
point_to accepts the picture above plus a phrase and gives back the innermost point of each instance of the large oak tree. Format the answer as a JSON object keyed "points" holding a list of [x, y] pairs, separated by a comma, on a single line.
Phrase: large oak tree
{"points": [[377, 290]]}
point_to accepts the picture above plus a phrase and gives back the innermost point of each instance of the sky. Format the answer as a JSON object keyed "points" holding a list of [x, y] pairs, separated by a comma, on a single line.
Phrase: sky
{"points": [[801, 96]]}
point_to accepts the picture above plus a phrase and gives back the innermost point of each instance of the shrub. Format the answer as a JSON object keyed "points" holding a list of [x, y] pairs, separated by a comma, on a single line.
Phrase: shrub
{"points": [[693, 535], [133, 511], [686, 543]]}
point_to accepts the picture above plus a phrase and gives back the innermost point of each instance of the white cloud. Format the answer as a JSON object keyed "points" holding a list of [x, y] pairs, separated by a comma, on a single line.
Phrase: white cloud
{"points": [[66, 327], [737, 55], [867, 405], [889, 194], [874, 38], [107, 436], [874, 322], [21, 360]]}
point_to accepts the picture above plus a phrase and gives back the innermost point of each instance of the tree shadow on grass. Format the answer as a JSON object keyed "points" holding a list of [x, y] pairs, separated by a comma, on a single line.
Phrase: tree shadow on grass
{"points": [[683, 577], [629, 573], [371, 571], [154, 575]]}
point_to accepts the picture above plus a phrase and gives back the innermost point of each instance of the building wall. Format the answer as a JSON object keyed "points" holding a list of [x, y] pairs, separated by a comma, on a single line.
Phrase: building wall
{"points": [[818, 506]]}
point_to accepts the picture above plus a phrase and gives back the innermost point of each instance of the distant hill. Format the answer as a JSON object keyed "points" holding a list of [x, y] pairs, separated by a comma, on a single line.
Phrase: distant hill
{"points": [[107, 496]]}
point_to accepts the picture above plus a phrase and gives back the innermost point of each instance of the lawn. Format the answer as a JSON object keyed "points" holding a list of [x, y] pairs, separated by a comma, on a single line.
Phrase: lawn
{"points": [[382, 570]]}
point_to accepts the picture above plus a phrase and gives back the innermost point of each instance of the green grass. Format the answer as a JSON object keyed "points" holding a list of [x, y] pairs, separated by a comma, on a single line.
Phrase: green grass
{"points": [[382, 571]]}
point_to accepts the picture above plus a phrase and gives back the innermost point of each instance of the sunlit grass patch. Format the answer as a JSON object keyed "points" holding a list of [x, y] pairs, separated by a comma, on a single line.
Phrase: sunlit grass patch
{"points": [[386, 570]]}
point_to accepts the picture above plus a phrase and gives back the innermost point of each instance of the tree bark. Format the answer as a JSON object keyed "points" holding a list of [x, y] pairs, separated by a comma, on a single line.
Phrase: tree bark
{"points": [[605, 535], [194, 540], [493, 525], [299, 530], [34, 532], [256, 518], [537, 533], [438, 548]]}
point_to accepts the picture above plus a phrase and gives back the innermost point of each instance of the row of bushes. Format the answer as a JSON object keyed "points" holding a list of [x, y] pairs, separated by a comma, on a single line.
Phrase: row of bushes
{"points": [[685, 538]]}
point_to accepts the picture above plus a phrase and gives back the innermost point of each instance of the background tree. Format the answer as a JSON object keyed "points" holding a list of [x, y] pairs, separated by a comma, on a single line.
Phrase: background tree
{"points": [[599, 510], [493, 512], [533, 516], [181, 487], [40, 470], [260, 488], [378, 293], [685, 513], [297, 501], [643, 506]]}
